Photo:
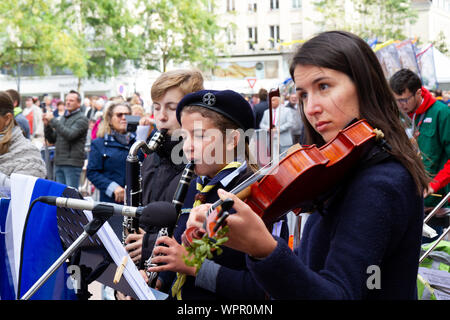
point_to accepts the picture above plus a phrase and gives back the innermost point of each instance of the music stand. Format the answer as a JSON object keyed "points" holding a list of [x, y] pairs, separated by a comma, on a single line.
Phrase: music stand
{"points": [[444, 233], [96, 263]]}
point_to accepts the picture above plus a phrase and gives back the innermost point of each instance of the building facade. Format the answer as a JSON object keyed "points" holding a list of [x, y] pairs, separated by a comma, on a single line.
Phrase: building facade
{"points": [[260, 36]]}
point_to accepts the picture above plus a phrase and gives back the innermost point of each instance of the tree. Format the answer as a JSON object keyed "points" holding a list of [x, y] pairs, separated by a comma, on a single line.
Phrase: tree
{"points": [[178, 31], [106, 27], [440, 43], [32, 34], [382, 19]]}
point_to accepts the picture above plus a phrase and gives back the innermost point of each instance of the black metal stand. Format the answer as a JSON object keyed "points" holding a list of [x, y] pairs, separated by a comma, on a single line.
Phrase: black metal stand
{"points": [[100, 215]]}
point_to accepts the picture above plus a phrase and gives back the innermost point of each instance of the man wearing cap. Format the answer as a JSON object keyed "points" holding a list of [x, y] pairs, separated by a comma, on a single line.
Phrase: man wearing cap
{"points": [[283, 119]]}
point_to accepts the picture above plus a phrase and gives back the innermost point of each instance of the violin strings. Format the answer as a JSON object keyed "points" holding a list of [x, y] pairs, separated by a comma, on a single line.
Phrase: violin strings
{"points": [[244, 184]]}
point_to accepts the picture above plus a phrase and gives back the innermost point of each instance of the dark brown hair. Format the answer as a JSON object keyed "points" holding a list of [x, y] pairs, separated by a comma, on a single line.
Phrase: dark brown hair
{"points": [[349, 54], [15, 96]]}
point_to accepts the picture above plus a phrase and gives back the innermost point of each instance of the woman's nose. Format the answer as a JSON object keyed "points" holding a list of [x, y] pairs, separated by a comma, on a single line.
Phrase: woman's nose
{"points": [[311, 105]]}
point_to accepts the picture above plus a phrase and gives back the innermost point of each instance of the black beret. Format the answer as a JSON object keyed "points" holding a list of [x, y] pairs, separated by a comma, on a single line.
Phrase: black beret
{"points": [[227, 102]]}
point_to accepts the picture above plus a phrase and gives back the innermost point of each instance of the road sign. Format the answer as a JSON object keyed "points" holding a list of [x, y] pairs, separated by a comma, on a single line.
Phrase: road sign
{"points": [[251, 82]]}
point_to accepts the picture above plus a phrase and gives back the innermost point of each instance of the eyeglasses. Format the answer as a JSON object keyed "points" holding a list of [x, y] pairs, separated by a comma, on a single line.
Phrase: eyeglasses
{"points": [[404, 100], [121, 114]]}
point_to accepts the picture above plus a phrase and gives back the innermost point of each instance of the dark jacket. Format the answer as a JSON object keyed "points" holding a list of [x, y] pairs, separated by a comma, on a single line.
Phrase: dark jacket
{"points": [[24, 125], [106, 165], [160, 179], [69, 136], [233, 279], [160, 176], [375, 222], [259, 111]]}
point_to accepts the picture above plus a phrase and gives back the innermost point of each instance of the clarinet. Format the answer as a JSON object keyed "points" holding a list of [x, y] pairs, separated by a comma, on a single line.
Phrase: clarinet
{"points": [[133, 183], [178, 200]]}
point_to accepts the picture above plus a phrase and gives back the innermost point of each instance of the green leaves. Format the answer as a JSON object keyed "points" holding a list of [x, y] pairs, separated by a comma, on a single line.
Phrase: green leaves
{"points": [[203, 248], [178, 31], [96, 38], [33, 33], [384, 19]]}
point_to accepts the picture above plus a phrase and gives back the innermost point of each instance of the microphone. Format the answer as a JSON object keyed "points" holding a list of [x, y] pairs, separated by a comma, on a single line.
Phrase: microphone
{"points": [[158, 214]]}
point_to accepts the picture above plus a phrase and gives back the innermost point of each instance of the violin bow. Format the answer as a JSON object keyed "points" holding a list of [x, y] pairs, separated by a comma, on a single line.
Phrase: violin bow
{"points": [[272, 93]]}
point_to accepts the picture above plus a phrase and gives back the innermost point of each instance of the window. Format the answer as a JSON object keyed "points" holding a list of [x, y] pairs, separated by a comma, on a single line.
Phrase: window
{"points": [[230, 5], [274, 4], [296, 4], [210, 5], [252, 37], [274, 35], [252, 6], [231, 35]]}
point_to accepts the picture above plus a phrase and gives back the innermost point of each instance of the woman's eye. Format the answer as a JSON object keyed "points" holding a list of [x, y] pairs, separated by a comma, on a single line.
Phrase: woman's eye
{"points": [[303, 95], [323, 86]]}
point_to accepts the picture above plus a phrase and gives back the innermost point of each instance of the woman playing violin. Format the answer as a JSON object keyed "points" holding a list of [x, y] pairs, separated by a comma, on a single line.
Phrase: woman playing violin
{"points": [[362, 241]]}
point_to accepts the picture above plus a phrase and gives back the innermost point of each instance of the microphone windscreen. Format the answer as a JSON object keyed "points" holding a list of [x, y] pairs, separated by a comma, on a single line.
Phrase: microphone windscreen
{"points": [[159, 214]]}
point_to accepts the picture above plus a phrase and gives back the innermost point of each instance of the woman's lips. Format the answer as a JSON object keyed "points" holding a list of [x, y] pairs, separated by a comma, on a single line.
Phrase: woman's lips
{"points": [[322, 125]]}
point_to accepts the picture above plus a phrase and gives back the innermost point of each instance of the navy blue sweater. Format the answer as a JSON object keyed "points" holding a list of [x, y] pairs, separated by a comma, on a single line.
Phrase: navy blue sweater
{"points": [[375, 221]]}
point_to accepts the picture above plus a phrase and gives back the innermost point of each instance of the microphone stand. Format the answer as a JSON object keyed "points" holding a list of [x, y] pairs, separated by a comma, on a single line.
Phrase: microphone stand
{"points": [[101, 213]]}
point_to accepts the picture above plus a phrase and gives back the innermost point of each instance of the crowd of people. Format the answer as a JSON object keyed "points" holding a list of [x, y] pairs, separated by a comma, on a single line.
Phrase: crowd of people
{"points": [[372, 217]]}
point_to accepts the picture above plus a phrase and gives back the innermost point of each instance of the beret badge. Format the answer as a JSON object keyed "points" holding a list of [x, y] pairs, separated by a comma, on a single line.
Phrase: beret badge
{"points": [[209, 99]]}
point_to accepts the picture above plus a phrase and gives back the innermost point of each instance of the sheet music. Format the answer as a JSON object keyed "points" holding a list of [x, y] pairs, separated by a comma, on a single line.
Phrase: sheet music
{"points": [[131, 273]]}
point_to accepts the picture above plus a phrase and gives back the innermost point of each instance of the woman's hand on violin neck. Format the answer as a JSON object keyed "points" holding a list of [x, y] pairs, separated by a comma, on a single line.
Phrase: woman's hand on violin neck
{"points": [[246, 230], [197, 216], [171, 255]]}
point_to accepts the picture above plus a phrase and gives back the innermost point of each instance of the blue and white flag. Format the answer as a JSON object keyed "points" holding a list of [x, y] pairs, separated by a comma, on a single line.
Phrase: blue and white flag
{"points": [[7, 291], [32, 239]]}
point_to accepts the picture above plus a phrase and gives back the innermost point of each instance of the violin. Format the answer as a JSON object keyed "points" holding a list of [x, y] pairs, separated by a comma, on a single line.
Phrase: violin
{"points": [[297, 180]]}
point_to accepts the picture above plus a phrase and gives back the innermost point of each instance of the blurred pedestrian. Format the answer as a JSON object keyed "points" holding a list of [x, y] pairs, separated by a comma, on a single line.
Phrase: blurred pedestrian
{"points": [[260, 107], [18, 113], [33, 113], [297, 130], [107, 158], [17, 154], [69, 136], [283, 119], [431, 129]]}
